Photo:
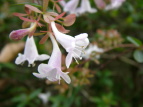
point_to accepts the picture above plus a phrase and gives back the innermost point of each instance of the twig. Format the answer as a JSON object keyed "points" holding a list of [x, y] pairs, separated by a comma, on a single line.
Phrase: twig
{"points": [[121, 46], [109, 61]]}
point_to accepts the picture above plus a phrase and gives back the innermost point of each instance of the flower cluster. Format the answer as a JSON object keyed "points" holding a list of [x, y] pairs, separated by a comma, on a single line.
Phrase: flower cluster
{"points": [[84, 6], [74, 46]]}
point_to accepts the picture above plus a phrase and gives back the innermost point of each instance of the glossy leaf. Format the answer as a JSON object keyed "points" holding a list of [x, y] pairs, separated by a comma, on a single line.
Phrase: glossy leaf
{"points": [[135, 41], [138, 56]]}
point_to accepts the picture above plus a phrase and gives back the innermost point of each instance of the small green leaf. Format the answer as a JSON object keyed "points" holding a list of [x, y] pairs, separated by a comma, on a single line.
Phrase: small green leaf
{"points": [[135, 41], [138, 56], [34, 94], [33, 4]]}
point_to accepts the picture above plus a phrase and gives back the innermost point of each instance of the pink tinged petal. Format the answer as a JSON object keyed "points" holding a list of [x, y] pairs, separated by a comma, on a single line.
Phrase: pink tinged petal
{"points": [[68, 59], [100, 3], [42, 57], [66, 77], [18, 34]]}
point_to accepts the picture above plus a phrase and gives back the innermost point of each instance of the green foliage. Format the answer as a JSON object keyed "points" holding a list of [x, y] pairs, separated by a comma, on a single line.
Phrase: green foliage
{"points": [[24, 99], [138, 55], [135, 41]]}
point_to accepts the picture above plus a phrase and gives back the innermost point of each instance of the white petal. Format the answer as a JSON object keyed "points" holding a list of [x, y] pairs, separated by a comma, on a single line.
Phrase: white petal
{"points": [[71, 6], [42, 57], [85, 7], [81, 36], [82, 40], [51, 75], [39, 75], [44, 68], [66, 77], [65, 40], [30, 50], [68, 59], [20, 59]]}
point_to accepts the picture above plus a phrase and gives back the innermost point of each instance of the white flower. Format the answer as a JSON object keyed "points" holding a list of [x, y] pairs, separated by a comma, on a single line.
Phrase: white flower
{"points": [[85, 7], [30, 53], [92, 48], [73, 45], [114, 4], [44, 97], [71, 6], [52, 71]]}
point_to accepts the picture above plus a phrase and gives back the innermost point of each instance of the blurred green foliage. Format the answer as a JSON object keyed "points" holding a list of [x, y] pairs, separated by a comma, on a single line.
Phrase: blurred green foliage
{"points": [[116, 82]]}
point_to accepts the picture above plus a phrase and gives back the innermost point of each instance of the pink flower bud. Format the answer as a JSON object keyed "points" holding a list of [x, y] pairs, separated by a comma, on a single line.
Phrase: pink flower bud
{"points": [[18, 34]]}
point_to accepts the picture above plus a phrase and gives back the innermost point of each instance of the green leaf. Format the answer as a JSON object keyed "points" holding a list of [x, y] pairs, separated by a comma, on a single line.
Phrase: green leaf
{"points": [[138, 56], [33, 4], [135, 41], [34, 94]]}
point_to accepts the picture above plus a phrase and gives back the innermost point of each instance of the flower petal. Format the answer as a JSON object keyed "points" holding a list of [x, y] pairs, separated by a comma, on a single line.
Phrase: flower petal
{"points": [[20, 59], [39, 75], [42, 57], [66, 77], [71, 6], [85, 7], [51, 75], [68, 59], [82, 40], [44, 68]]}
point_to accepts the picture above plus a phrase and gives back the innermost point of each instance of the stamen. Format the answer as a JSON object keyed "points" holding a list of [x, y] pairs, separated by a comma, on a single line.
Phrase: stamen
{"points": [[77, 55], [75, 60]]}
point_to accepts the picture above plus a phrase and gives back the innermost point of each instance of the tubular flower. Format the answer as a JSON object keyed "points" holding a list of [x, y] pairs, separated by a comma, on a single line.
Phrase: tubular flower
{"points": [[85, 7], [19, 34], [52, 71], [30, 53], [71, 6], [93, 48], [114, 4], [73, 45]]}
